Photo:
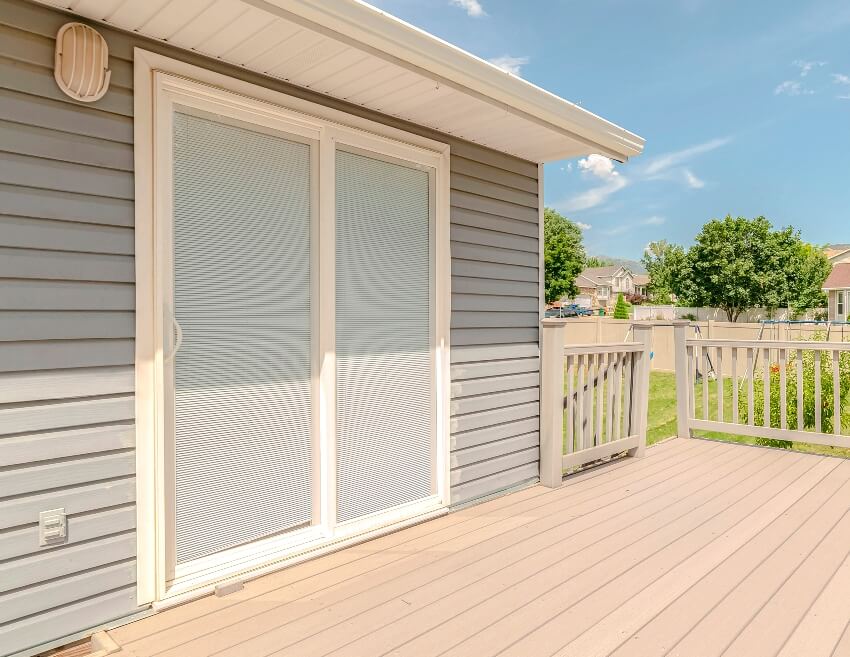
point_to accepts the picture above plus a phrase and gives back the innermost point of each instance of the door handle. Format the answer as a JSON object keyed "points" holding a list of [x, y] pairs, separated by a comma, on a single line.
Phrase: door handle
{"points": [[178, 330]]}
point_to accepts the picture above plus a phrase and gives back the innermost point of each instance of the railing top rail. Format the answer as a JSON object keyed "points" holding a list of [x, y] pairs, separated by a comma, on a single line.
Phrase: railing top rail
{"points": [[604, 348], [770, 344]]}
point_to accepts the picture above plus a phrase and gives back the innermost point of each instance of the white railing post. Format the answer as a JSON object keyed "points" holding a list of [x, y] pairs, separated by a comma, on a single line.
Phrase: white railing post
{"points": [[552, 334], [680, 363], [640, 386]]}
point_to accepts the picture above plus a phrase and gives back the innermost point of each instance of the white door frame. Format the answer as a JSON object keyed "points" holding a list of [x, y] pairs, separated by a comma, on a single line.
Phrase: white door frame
{"points": [[161, 84]]}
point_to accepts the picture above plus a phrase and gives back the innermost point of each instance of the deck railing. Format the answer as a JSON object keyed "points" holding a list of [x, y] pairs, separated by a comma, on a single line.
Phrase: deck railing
{"points": [[594, 399], [768, 389]]}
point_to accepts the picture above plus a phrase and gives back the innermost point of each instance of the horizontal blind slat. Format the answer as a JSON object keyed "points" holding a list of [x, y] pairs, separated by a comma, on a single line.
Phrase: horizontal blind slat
{"points": [[242, 212]]}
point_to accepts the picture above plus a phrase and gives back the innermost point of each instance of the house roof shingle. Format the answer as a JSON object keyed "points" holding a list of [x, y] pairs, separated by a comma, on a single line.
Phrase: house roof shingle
{"points": [[600, 272], [839, 277]]}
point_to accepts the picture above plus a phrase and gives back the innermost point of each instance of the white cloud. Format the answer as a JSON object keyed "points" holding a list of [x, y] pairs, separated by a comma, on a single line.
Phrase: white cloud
{"points": [[598, 165], [583, 226], [595, 196], [692, 181], [510, 64], [666, 161], [654, 220], [840, 78], [844, 97], [791, 88], [666, 166], [472, 7], [806, 66]]}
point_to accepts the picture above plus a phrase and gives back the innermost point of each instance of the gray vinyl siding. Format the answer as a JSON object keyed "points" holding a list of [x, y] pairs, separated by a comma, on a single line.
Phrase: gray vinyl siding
{"points": [[495, 394], [66, 343], [67, 327]]}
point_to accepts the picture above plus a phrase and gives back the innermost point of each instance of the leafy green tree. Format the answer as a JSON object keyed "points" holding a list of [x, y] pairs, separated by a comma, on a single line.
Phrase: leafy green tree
{"points": [[663, 262], [621, 309], [739, 263], [599, 261], [806, 271], [563, 255]]}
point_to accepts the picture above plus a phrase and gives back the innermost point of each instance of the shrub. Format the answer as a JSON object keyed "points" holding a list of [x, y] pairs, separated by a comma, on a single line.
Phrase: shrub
{"points": [[690, 316], [621, 310]]}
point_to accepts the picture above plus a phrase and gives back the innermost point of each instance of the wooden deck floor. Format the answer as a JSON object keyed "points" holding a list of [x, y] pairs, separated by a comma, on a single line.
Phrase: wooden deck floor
{"points": [[699, 549]]}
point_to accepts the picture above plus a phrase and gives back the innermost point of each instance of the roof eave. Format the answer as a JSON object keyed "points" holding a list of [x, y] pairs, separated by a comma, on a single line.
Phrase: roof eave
{"points": [[406, 44]]}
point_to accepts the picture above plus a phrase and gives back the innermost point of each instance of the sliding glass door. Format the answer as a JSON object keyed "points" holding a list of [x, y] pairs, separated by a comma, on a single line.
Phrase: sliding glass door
{"points": [[243, 438], [297, 347], [385, 378]]}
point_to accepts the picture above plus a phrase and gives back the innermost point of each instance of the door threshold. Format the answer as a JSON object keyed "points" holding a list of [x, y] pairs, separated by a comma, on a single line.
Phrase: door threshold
{"points": [[191, 589]]}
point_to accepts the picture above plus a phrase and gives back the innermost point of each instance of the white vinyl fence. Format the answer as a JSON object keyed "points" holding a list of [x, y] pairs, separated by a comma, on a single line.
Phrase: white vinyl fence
{"points": [[669, 313]]}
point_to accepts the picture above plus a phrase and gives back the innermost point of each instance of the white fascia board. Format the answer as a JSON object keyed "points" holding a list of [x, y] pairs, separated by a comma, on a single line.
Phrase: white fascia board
{"points": [[354, 20]]}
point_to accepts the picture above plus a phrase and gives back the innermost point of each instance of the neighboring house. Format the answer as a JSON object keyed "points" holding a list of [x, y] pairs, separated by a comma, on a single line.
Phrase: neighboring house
{"points": [[838, 255], [641, 282], [602, 285], [587, 292], [269, 287], [837, 288]]}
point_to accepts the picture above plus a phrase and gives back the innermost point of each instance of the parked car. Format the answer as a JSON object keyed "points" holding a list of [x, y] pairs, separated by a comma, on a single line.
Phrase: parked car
{"points": [[575, 310], [569, 310]]}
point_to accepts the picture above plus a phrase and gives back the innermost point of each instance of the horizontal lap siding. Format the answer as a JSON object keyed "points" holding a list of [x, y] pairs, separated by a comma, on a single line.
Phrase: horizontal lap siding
{"points": [[495, 312], [66, 342], [67, 327]]}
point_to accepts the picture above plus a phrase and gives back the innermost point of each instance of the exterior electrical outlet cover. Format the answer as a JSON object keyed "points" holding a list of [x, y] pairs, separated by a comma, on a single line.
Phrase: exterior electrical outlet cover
{"points": [[52, 527]]}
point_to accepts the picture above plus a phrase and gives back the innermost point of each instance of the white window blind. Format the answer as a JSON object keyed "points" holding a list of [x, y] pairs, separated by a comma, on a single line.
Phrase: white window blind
{"points": [[385, 392], [242, 213]]}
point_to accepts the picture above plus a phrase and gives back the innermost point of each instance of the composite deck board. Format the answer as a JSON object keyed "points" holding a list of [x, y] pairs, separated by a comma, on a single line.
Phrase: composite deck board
{"points": [[701, 548], [730, 594], [444, 536]]}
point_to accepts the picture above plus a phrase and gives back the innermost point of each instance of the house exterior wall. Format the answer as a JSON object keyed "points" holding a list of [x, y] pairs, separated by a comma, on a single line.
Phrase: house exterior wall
{"points": [[832, 297], [624, 283], [840, 257], [67, 327]]}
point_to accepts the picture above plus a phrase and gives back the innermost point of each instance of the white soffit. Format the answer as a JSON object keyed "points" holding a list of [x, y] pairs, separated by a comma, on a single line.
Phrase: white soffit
{"points": [[351, 51]]}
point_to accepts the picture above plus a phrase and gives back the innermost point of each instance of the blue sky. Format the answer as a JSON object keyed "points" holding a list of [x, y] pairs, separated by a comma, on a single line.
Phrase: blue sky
{"points": [[745, 106]]}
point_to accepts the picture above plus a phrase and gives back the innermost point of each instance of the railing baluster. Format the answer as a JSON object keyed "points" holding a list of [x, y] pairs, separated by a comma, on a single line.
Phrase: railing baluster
{"points": [[580, 428], [766, 375], [609, 408], [735, 414], [720, 390], [618, 396], [627, 394], [818, 407], [588, 402], [783, 388], [601, 372], [751, 374], [692, 383], [571, 404], [704, 364], [800, 390], [836, 395]]}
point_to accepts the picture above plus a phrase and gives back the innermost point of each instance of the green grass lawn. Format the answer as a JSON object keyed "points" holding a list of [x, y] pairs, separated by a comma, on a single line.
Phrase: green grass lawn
{"points": [[662, 415]]}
